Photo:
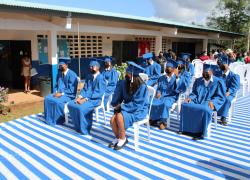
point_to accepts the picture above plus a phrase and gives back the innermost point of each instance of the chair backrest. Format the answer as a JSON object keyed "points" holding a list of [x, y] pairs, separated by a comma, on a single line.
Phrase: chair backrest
{"points": [[241, 71], [151, 95], [232, 66], [198, 69], [212, 62], [196, 60], [144, 77], [247, 72]]}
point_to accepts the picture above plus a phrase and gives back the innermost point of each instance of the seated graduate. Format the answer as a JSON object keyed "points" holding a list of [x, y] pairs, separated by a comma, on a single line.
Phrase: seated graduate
{"points": [[189, 66], [232, 85], [81, 109], [65, 90], [111, 76], [130, 104], [196, 112], [183, 73], [153, 69], [168, 89]]}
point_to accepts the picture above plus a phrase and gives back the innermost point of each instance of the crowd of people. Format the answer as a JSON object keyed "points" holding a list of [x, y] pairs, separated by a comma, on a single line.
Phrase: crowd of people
{"points": [[169, 74]]}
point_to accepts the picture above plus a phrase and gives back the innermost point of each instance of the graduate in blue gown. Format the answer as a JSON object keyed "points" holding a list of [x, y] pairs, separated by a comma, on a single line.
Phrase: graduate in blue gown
{"points": [[196, 112], [153, 69], [168, 88], [65, 90], [183, 73], [111, 76], [232, 85], [189, 66], [130, 104], [81, 109]]}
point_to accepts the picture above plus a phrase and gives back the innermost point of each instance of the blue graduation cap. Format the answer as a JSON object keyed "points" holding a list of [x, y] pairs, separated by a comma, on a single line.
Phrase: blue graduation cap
{"points": [[134, 68], [94, 63], [210, 67], [147, 55], [61, 63], [180, 61], [171, 63], [225, 60], [184, 55], [107, 59]]}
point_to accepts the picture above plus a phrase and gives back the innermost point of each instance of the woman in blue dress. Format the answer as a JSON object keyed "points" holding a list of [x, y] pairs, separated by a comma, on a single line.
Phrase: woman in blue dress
{"points": [[130, 104]]}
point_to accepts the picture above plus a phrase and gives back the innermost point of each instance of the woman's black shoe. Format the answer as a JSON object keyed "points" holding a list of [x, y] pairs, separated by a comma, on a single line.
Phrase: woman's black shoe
{"points": [[120, 147]]}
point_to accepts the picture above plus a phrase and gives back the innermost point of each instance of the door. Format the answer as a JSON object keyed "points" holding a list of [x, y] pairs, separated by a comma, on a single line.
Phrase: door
{"points": [[124, 51], [183, 47], [17, 51]]}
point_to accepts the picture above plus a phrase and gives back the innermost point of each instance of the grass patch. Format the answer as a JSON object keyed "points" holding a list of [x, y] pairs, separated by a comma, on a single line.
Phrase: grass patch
{"points": [[22, 110]]}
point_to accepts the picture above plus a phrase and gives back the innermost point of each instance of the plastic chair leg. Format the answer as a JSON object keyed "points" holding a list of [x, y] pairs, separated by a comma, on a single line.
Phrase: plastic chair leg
{"points": [[97, 115], [136, 137], [104, 115], [148, 127]]}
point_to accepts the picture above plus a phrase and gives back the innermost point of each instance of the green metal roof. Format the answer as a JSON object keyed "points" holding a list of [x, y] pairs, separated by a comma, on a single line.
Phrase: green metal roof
{"points": [[17, 4]]}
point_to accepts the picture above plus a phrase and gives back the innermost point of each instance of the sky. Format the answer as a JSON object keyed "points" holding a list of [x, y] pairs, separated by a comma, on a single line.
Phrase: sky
{"points": [[186, 11]]}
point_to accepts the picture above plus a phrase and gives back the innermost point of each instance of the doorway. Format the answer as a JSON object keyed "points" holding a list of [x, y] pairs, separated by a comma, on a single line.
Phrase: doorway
{"points": [[183, 47], [11, 53], [124, 51]]}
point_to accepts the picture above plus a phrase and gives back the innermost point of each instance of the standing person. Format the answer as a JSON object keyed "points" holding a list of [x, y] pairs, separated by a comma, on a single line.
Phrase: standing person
{"points": [[130, 104], [153, 69], [196, 113], [247, 58], [26, 72], [161, 60], [232, 85], [168, 88], [240, 57], [81, 109], [111, 76], [65, 90]]}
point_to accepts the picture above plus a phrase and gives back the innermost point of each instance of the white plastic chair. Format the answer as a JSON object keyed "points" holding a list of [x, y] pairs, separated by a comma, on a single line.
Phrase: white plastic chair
{"points": [[214, 117], [212, 62], [248, 76], [101, 106], [136, 125], [144, 77], [231, 109], [198, 68], [241, 70], [176, 107]]}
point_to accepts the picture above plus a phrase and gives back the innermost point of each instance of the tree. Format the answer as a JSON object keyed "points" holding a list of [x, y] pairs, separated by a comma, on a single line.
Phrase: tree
{"points": [[233, 16]]}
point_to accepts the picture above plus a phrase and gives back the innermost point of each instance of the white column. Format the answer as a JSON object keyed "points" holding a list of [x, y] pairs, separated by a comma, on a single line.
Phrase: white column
{"points": [[158, 44], [205, 42], [52, 55]]}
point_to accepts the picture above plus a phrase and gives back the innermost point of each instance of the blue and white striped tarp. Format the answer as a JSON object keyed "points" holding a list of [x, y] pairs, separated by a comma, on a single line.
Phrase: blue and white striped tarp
{"points": [[30, 149]]}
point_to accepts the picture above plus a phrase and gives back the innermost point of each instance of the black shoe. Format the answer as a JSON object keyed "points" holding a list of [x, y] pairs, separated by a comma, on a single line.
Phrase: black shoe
{"points": [[152, 123], [198, 138], [223, 121], [120, 147], [179, 132], [111, 145]]}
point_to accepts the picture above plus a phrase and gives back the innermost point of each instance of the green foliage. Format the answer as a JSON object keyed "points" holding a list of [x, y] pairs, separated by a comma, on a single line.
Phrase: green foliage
{"points": [[3, 94], [121, 69], [233, 16]]}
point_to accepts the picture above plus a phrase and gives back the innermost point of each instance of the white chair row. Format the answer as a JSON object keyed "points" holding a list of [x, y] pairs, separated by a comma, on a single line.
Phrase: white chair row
{"points": [[244, 73]]}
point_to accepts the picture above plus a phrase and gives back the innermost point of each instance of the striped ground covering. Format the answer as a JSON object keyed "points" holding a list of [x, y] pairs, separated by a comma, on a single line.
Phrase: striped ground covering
{"points": [[30, 149]]}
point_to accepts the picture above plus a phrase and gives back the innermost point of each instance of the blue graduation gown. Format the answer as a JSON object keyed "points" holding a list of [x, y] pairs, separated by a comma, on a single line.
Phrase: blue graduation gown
{"points": [[133, 107], [81, 114], [196, 116], [154, 72], [191, 69], [232, 85], [186, 79], [54, 107], [111, 77], [169, 94]]}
